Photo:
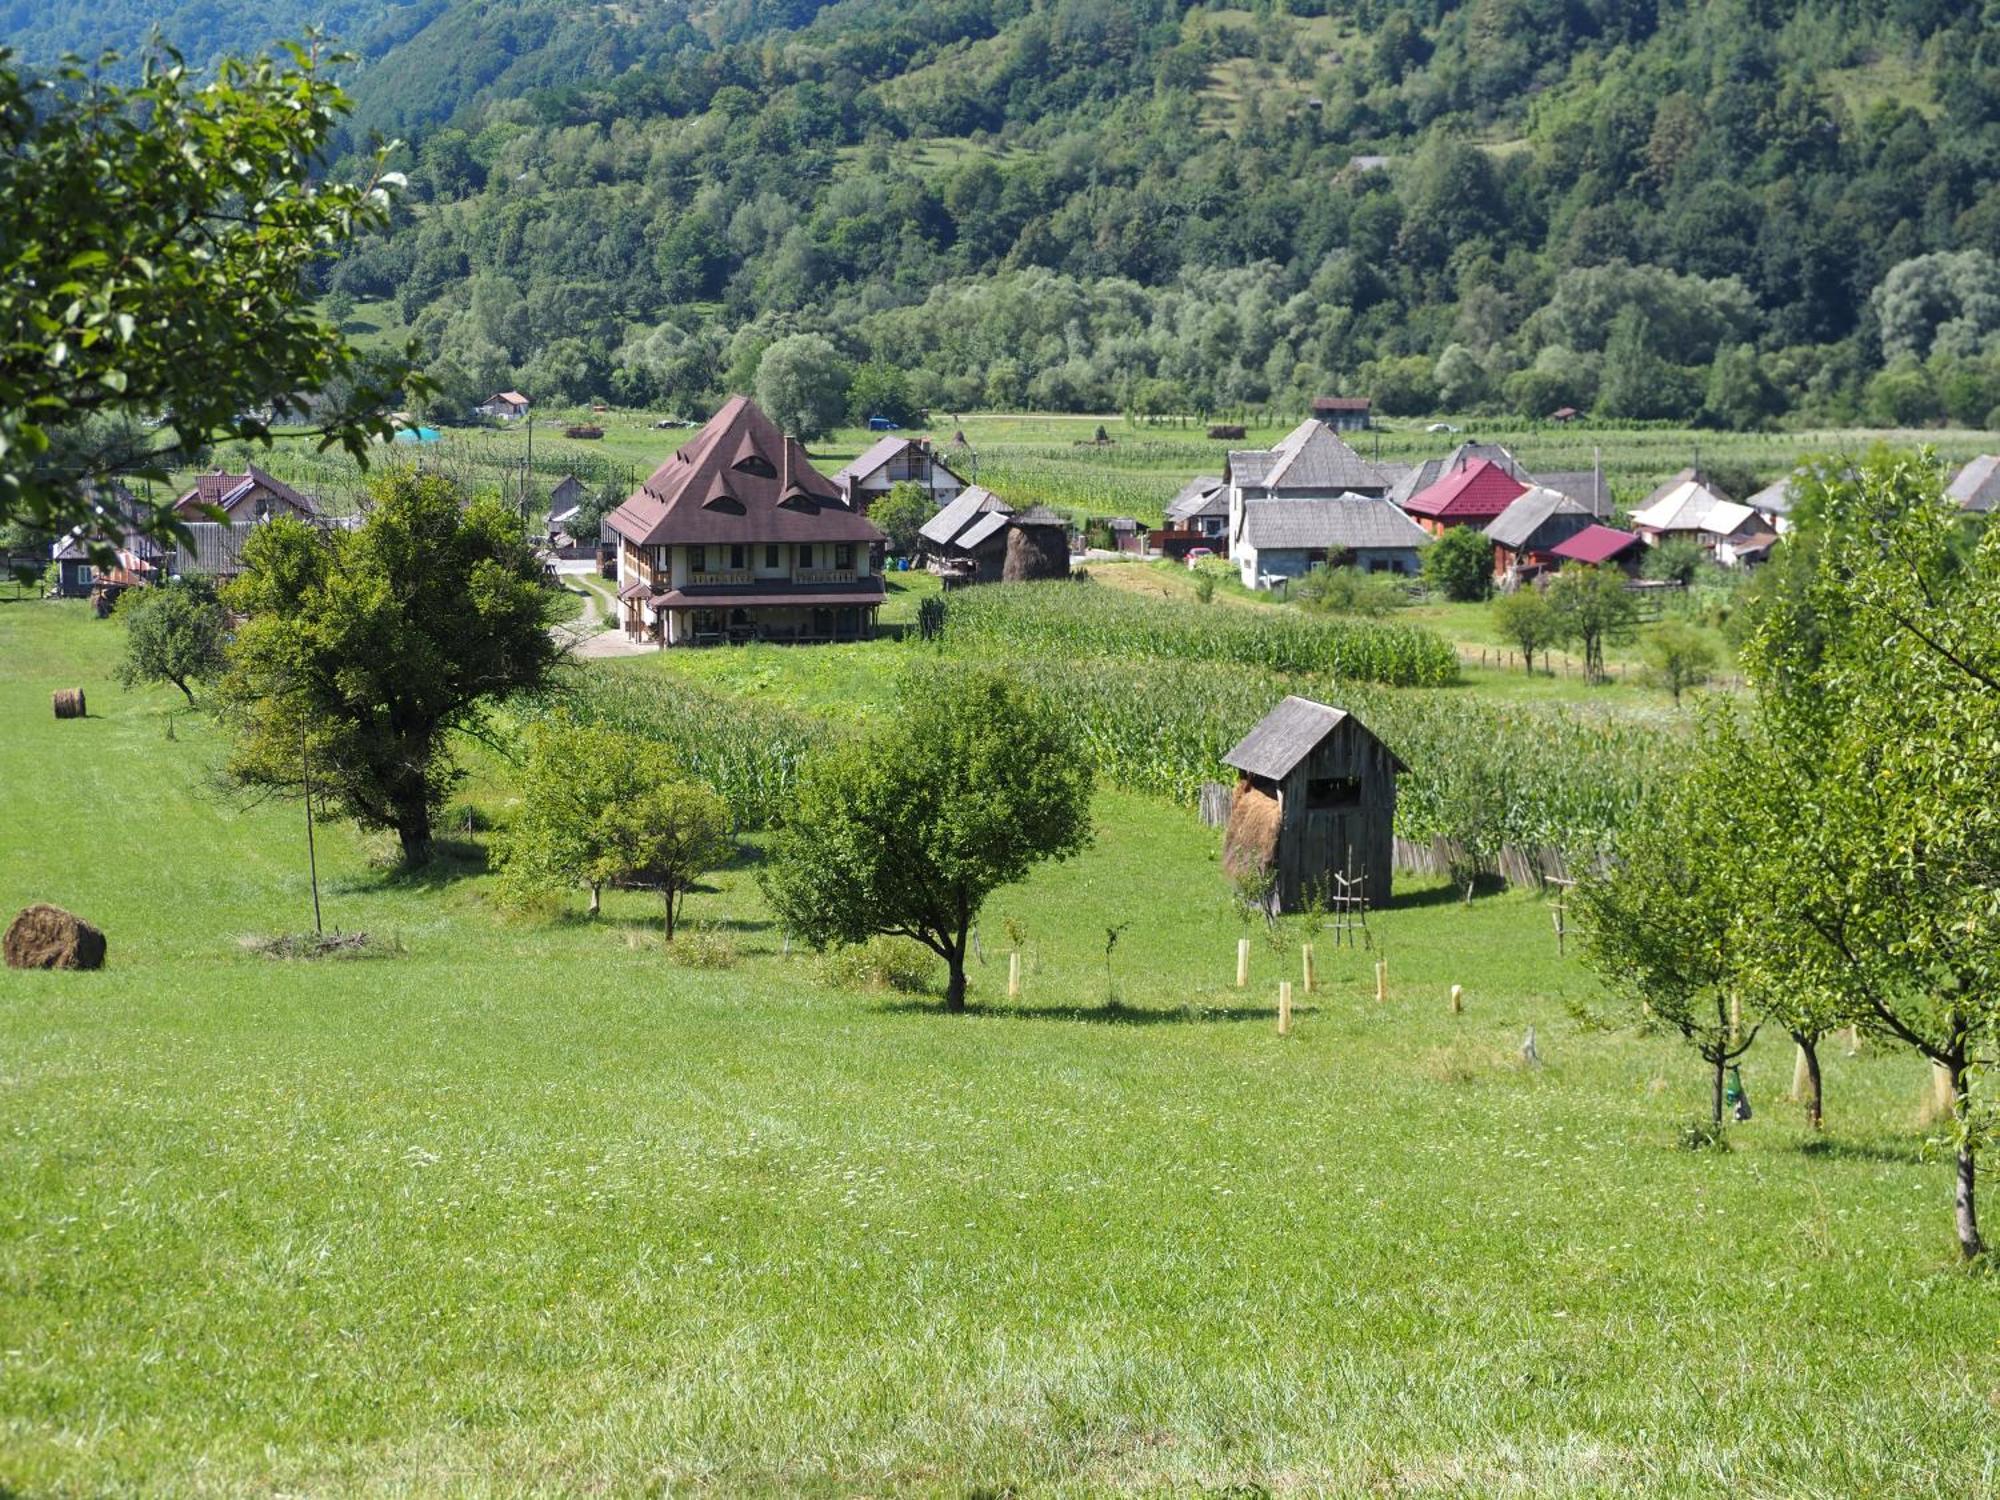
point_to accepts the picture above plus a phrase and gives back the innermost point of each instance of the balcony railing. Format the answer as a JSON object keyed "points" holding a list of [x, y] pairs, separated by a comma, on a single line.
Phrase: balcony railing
{"points": [[823, 575], [708, 577]]}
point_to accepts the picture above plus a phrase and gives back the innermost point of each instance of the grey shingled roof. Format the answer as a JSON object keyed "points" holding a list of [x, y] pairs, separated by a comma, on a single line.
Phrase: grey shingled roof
{"points": [[1287, 735], [1312, 456], [1538, 514], [1977, 486], [1585, 486], [1248, 466], [1204, 495], [1355, 521], [944, 527], [982, 527]]}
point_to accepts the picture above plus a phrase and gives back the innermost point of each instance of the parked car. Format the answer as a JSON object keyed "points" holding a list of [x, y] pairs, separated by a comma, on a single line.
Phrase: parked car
{"points": [[1440, 427], [1198, 555]]}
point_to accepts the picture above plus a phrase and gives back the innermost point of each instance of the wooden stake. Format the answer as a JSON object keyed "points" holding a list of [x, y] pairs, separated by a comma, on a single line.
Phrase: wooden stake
{"points": [[1947, 1097], [1306, 963], [1854, 1041], [1242, 962], [1381, 981], [1799, 1075], [1457, 1000], [1284, 1007], [1014, 975]]}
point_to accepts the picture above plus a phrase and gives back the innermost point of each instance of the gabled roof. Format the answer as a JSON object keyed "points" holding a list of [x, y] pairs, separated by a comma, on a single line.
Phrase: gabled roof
{"points": [[1479, 491], [1335, 521], [1203, 495], [1538, 518], [1977, 486], [1312, 458], [1596, 544], [1287, 735], [1681, 504], [1421, 476], [1585, 486], [514, 398], [1727, 518], [956, 517], [230, 492], [739, 480]]}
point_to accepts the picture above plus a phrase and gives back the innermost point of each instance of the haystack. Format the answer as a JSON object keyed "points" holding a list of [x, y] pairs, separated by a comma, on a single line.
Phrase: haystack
{"points": [[68, 703], [47, 937], [1037, 547], [1250, 841]]}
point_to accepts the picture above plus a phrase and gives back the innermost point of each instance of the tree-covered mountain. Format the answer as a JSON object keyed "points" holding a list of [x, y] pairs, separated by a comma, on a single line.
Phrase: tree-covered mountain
{"points": [[1743, 208], [40, 32]]}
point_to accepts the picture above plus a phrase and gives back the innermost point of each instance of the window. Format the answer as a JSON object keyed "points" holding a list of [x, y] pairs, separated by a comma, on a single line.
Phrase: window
{"points": [[843, 554], [739, 557], [1331, 793], [805, 554], [697, 559], [770, 555]]}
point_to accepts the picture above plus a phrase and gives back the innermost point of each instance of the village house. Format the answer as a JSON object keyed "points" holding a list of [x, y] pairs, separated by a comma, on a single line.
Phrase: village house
{"points": [[1526, 534], [737, 537], [505, 406], [1197, 517], [1414, 478], [250, 496], [893, 461], [1342, 413], [1315, 798], [1472, 495], [1600, 546], [1277, 540], [1688, 506]]}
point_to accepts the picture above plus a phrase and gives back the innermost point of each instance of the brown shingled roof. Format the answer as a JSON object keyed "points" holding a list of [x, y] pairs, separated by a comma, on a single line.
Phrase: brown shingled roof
{"points": [[739, 480]]}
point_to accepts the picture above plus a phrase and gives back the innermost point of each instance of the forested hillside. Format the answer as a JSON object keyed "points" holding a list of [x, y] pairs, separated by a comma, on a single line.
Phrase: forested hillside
{"points": [[1734, 211]]}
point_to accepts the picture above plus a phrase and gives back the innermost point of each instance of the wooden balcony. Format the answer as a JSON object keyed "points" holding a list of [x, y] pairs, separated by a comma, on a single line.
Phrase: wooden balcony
{"points": [[724, 576], [823, 575]]}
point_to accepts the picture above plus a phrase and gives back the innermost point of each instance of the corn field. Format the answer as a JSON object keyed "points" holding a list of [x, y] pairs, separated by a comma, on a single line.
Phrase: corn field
{"points": [[1069, 621]]}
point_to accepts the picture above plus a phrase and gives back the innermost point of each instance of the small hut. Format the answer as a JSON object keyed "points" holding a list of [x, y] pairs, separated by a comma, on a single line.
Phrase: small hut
{"points": [[1315, 797], [1037, 547]]}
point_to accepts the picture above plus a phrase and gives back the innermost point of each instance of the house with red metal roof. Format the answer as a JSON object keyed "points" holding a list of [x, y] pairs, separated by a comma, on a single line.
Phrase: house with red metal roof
{"points": [[1472, 494], [737, 537], [1601, 546]]}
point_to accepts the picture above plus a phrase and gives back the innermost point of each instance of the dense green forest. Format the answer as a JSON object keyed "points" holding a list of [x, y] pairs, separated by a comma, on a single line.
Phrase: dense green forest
{"points": [[1738, 212]]}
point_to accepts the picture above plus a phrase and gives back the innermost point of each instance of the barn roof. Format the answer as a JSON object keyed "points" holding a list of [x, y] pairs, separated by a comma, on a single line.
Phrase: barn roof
{"points": [[1596, 544], [1545, 513], [1288, 734], [960, 514], [1683, 503], [1977, 486]]}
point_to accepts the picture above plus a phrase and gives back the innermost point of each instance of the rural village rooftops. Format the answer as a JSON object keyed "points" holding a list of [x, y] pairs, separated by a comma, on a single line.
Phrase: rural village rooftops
{"points": [[1596, 544], [739, 480], [1683, 503], [1287, 735], [1477, 492], [1203, 495], [228, 491], [1311, 457], [1532, 513], [1354, 522]]}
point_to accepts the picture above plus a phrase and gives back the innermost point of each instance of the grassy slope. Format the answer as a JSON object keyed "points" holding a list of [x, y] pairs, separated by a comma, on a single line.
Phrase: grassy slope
{"points": [[530, 1209]]}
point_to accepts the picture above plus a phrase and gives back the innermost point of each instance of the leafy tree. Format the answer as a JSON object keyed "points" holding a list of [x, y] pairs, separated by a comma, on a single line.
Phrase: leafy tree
{"points": [[1663, 922], [1674, 559], [173, 633], [1594, 609], [1680, 656], [156, 245], [900, 514], [1740, 396], [665, 839], [881, 390], [575, 780], [1459, 564], [802, 385], [1462, 379], [970, 785], [1527, 619], [1878, 699], [1949, 300], [368, 649]]}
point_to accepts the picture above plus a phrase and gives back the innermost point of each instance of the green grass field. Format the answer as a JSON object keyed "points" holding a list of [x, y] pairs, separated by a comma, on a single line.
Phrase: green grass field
{"points": [[531, 1208]]}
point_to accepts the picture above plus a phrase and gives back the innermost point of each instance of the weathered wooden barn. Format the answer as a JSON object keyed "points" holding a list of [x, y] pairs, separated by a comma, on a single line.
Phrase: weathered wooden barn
{"points": [[1315, 797]]}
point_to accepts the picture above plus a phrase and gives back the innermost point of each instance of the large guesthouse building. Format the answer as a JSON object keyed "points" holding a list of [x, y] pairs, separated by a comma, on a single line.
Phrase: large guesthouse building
{"points": [[738, 537]]}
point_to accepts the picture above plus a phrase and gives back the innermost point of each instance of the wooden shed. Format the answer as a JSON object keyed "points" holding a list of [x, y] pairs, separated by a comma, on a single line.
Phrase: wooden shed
{"points": [[1315, 797]]}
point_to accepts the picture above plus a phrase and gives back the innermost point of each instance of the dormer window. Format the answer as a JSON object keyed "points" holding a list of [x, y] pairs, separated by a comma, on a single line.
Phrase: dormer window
{"points": [[755, 463]]}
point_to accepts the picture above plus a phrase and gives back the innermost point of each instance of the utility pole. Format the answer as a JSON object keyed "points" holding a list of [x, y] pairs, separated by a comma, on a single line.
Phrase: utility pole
{"points": [[312, 856]]}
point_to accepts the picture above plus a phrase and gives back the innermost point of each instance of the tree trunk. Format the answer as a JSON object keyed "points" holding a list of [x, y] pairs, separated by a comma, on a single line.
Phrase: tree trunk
{"points": [[1815, 1094], [413, 832], [596, 897], [186, 691], [667, 898], [1716, 1100], [954, 990], [1965, 1205]]}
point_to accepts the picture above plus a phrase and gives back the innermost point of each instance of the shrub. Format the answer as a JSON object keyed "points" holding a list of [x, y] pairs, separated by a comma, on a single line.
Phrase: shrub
{"points": [[880, 965], [1459, 564], [703, 946]]}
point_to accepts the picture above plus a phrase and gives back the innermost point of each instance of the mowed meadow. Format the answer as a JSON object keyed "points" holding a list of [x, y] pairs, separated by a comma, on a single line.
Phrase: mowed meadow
{"points": [[531, 1206]]}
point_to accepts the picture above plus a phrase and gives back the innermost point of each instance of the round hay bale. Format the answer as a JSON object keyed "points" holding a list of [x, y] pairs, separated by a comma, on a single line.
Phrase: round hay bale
{"points": [[68, 703], [47, 937]]}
